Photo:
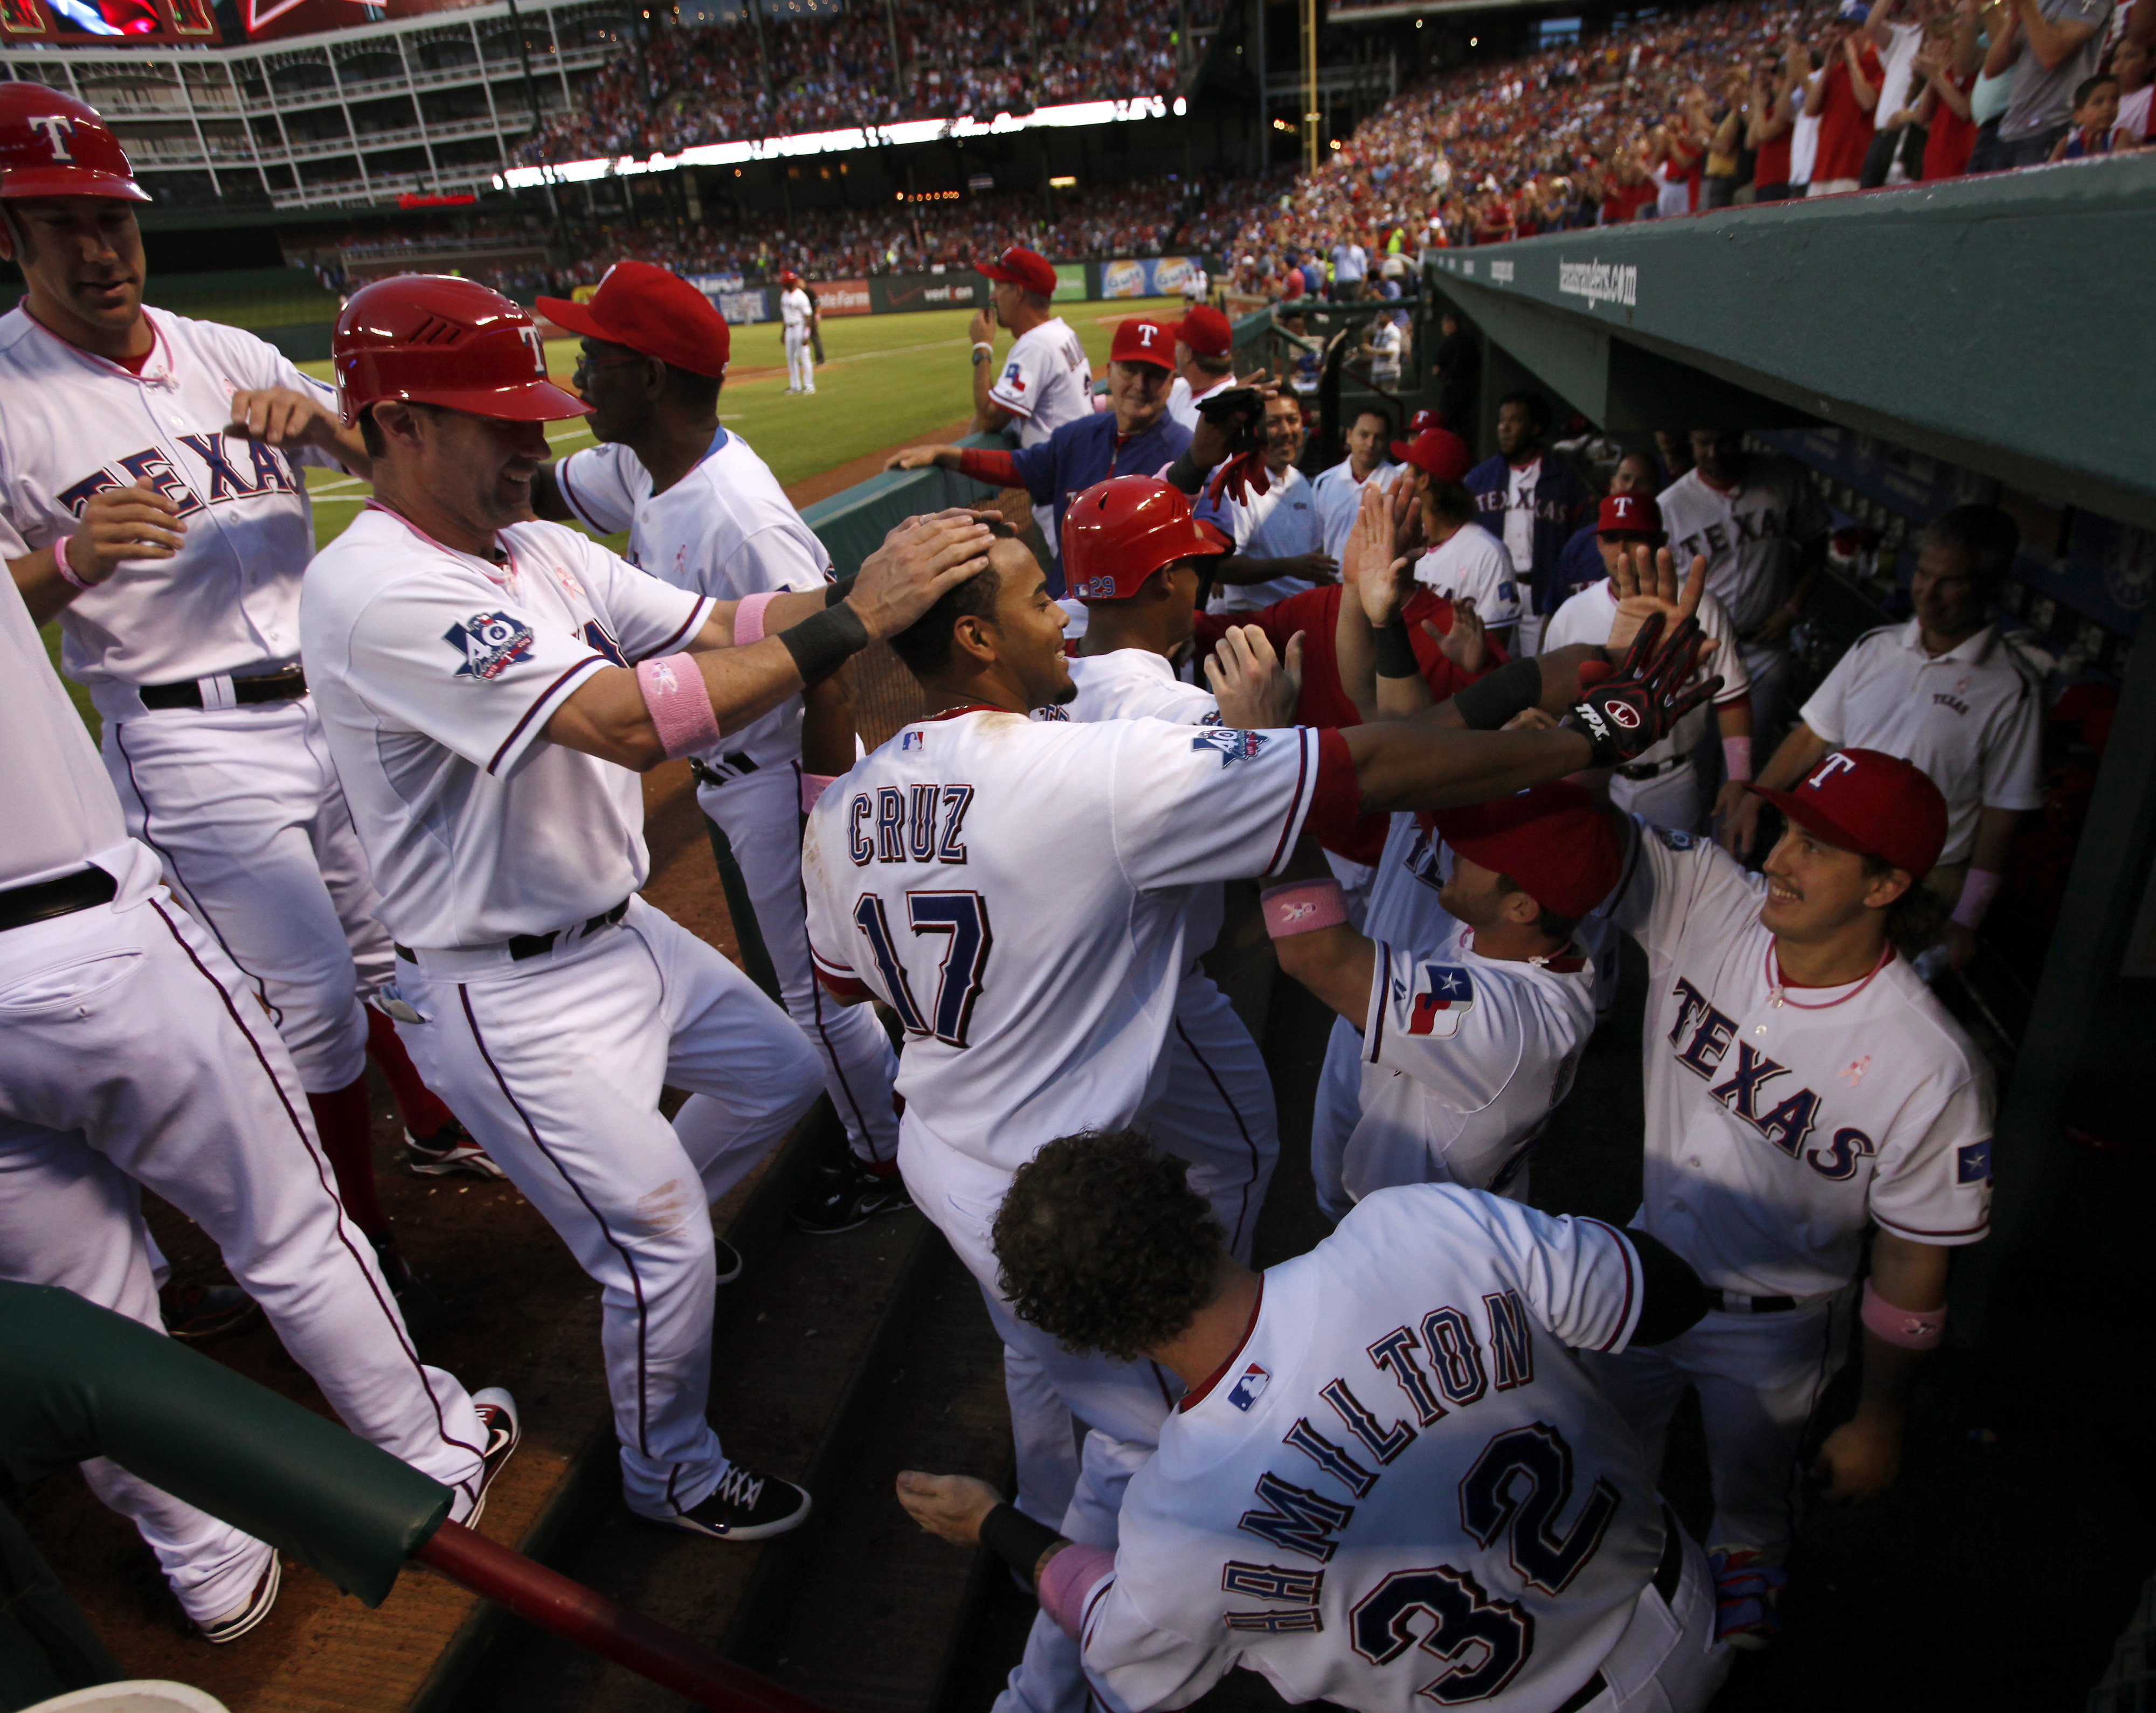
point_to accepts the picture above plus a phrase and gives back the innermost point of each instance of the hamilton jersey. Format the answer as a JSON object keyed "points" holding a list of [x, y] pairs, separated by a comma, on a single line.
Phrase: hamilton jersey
{"points": [[1751, 538], [75, 425], [1045, 381], [1464, 1058], [1017, 892], [1782, 1121], [435, 673], [1402, 1489], [726, 529], [1133, 684]]}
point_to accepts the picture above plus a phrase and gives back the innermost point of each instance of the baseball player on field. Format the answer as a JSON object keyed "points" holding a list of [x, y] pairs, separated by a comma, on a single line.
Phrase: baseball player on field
{"points": [[1389, 1482], [134, 1056], [1803, 1087], [1046, 379], [797, 315], [150, 497], [490, 688], [1204, 361], [1663, 785], [1019, 892], [704, 514]]}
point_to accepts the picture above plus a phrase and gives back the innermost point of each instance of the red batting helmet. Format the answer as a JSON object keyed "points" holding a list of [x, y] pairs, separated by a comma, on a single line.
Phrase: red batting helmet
{"points": [[52, 145], [434, 340], [1119, 532]]}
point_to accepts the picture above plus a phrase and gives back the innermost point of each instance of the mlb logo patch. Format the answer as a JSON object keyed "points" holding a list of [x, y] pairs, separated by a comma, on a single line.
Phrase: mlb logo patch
{"points": [[1443, 993], [1973, 1164], [1250, 1386], [912, 741], [1233, 745]]}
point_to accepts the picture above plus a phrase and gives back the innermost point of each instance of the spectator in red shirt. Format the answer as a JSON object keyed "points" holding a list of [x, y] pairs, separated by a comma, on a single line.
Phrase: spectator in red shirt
{"points": [[1843, 101], [1946, 68], [1771, 120]]}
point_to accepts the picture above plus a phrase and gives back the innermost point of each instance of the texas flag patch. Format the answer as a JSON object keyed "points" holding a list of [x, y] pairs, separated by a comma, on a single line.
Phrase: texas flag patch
{"points": [[1250, 1386], [1443, 993], [1973, 1164]]}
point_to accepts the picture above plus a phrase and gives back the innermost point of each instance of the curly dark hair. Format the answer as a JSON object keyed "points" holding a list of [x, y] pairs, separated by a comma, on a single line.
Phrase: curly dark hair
{"points": [[1103, 1244]]}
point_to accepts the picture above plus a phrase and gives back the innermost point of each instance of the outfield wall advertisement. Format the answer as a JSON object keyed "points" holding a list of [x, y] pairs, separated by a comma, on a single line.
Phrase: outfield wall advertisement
{"points": [[900, 294]]}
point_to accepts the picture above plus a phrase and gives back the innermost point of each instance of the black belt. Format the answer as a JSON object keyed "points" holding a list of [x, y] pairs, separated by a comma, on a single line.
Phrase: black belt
{"points": [[524, 945], [287, 685], [1651, 770], [22, 905], [706, 774], [1735, 1302], [1667, 1575]]}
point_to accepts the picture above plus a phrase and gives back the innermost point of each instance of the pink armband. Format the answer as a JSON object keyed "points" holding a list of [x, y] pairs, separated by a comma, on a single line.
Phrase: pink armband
{"points": [[1071, 1574], [1978, 889], [680, 706], [748, 618], [1303, 907], [813, 786], [1912, 1328], [60, 562], [1737, 759]]}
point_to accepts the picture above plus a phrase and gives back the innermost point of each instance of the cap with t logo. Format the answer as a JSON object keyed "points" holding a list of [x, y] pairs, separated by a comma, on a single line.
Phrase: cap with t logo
{"points": [[1629, 514], [1144, 342], [1872, 803]]}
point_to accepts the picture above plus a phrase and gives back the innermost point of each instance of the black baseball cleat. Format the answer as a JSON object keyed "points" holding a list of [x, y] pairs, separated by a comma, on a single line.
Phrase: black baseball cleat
{"points": [[199, 1311], [244, 1617], [744, 1506], [449, 1152], [497, 1415], [847, 1195]]}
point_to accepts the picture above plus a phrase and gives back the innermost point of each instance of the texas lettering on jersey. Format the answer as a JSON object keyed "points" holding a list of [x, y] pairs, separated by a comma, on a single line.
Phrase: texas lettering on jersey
{"points": [[1702, 1037], [1764, 524], [223, 479]]}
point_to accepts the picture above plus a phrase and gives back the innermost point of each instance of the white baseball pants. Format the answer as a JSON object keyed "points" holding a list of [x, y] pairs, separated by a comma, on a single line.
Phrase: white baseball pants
{"points": [[1667, 1660], [1758, 1376], [800, 361], [556, 1064], [244, 807], [132, 1052], [760, 814]]}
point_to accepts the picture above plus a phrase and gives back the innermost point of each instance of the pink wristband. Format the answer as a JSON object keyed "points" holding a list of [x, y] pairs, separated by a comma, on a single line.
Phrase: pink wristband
{"points": [[680, 706], [1912, 1328], [1072, 1575], [67, 571], [813, 786], [1978, 887], [1303, 907], [1737, 759], [748, 618]]}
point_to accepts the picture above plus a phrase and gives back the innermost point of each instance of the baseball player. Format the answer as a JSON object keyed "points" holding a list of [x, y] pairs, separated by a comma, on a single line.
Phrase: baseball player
{"points": [[1082, 842], [1462, 561], [797, 314], [1046, 379], [1579, 566], [1943, 691], [1469, 1041], [704, 514], [1803, 1087], [480, 698], [1663, 785], [1764, 533], [1280, 540], [1204, 361], [150, 497], [1338, 491], [1531, 498], [134, 1056], [1389, 1482]]}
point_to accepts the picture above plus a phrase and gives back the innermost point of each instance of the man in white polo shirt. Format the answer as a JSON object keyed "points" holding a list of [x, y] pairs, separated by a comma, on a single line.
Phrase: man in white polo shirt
{"points": [[1943, 691], [1279, 549], [1338, 490], [1044, 381]]}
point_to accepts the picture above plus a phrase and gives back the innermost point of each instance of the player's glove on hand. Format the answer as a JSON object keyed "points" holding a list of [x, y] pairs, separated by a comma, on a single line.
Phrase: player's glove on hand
{"points": [[1242, 472], [1626, 715]]}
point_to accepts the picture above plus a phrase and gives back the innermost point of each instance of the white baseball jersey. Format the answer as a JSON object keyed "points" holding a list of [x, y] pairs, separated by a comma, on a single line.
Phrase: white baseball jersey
{"points": [[1402, 1489], [1783, 1120], [794, 309], [1133, 684], [1751, 538], [1472, 564], [75, 424], [1046, 381], [726, 529], [1586, 617], [1970, 718], [1338, 495], [436, 672], [1404, 907], [1281, 523], [1017, 892], [1182, 399], [1464, 1059]]}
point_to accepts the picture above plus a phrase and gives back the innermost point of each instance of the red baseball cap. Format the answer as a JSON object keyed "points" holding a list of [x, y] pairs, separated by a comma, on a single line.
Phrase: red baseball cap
{"points": [[1564, 851], [1206, 330], [1021, 266], [1872, 803], [1138, 341], [1629, 514], [653, 312], [1422, 419], [1438, 453]]}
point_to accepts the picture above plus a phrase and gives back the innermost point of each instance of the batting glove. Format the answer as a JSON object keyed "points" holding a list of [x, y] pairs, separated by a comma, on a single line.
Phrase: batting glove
{"points": [[1626, 715]]}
